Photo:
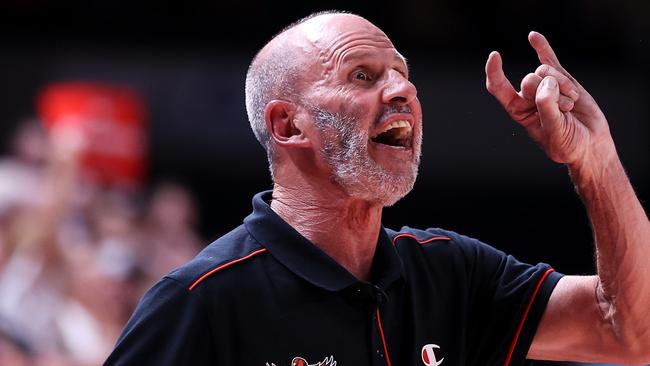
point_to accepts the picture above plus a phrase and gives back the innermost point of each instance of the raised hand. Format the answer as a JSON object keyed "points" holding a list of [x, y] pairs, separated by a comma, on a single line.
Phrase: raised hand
{"points": [[553, 107], [558, 113]]}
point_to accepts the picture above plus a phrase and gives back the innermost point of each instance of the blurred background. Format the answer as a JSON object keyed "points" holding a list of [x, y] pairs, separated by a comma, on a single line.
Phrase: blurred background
{"points": [[126, 146]]}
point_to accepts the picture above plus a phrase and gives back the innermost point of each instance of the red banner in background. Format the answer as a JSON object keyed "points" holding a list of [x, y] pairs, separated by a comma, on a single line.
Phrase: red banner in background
{"points": [[112, 122]]}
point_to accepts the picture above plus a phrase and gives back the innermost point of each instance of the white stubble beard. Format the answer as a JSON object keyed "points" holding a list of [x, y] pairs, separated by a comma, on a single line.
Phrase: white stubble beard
{"points": [[345, 149]]}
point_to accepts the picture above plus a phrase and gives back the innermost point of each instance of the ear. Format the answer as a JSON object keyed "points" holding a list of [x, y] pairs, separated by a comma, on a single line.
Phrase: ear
{"points": [[279, 116]]}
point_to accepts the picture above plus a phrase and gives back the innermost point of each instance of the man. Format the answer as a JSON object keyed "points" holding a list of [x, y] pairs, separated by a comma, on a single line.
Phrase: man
{"points": [[312, 277]]}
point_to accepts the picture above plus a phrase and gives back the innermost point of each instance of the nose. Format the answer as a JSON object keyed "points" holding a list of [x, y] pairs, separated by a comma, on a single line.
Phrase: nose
{"points": [[398, 89]]}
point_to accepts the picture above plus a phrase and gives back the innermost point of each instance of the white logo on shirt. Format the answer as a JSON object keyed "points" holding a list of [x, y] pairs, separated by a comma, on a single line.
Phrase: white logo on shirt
{"points": [[429, 357]]}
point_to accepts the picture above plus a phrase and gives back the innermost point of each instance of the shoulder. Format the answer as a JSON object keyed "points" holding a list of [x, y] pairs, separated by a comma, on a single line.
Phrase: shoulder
{"points": [[232, 252], [448, 250], [436, 239]]}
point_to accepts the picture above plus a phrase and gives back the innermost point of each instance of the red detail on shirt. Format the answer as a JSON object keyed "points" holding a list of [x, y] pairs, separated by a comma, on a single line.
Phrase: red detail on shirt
{"points": [[383, 339], [511, 350], [224, 266], [418, 240]]}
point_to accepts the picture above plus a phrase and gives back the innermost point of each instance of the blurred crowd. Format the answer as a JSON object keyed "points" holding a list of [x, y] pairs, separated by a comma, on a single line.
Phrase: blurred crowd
{"points": [[75, 255]]}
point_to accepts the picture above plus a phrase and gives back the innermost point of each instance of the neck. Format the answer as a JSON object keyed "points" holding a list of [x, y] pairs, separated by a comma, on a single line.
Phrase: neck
{"points": [[345, 228]]}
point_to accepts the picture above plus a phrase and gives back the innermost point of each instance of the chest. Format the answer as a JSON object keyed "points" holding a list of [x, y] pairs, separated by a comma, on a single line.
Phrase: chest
{"points": [[324, 329]]}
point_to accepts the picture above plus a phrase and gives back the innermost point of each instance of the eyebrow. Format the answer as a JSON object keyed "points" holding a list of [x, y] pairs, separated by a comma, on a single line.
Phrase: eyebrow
{"points": [[359, 55]]}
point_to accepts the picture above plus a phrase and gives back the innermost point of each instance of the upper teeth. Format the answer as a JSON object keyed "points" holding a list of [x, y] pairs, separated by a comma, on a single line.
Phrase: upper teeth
{"points": [[397, 124]]}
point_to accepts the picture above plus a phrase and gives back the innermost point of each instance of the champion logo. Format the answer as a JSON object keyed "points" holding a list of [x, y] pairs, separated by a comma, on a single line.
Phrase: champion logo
{"points": [[429, 357], [299, 361]]}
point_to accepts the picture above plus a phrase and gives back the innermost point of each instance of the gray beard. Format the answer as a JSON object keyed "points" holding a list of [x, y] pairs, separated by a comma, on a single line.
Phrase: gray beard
{"points": [[345, 149]]}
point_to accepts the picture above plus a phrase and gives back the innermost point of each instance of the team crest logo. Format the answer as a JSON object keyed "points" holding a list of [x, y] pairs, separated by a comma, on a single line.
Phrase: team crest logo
{"points": [[429, 357], [299, 361]]}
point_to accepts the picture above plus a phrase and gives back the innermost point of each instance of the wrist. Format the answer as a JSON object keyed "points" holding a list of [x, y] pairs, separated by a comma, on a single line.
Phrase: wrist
{"points": [[594, 165]]}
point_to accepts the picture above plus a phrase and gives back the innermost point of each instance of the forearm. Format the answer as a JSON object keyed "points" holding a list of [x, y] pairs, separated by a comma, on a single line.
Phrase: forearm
{"points": [[622, 236]]}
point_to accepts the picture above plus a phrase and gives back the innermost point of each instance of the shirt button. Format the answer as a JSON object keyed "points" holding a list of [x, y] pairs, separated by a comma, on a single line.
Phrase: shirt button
{"points": [[380, 354]]}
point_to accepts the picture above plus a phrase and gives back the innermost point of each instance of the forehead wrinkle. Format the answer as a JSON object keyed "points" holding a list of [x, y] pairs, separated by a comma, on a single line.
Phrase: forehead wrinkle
{"points": [[351, 55], [333, 54], [353, 36], [356, 53]]}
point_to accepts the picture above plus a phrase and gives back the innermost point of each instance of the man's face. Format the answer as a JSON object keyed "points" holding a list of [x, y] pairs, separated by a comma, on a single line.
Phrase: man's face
{"points": [[365, 110]]}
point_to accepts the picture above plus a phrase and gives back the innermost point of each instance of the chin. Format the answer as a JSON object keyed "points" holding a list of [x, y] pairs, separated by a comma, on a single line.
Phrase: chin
{"points": [[392, 199], [385, 192]]}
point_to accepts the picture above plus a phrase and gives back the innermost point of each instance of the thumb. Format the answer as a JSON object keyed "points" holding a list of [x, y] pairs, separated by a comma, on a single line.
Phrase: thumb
{"points": [[547, 100]]}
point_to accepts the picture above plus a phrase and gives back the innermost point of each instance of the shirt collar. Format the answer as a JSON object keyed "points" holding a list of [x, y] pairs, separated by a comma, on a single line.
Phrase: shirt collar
{"points": [[308, 261]]}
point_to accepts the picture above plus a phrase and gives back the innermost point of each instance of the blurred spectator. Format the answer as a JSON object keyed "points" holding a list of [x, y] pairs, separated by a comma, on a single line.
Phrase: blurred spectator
{"points": [[169, 230], [75, 253], [33, 278], [21, 177]]}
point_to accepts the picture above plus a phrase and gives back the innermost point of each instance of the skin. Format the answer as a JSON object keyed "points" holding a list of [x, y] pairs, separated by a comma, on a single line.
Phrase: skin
{"points": [[588, 318], [599, 318], [305, 195]]}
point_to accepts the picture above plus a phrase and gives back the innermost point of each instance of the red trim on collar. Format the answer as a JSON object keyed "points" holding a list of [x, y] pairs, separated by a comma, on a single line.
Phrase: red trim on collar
{"points": [[227, 264], [511, 350], [418, 240]]}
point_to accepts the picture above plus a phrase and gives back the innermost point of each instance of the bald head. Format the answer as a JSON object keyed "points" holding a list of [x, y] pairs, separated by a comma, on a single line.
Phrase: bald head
{"points": [[275, 72]]}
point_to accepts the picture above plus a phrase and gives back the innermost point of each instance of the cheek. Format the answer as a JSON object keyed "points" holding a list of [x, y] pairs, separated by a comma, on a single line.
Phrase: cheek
{"points": [[362, 110], [349, 102]]}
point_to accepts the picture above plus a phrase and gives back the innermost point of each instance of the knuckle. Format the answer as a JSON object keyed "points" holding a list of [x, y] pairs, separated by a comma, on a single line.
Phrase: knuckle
{"points": [[531, 77], [490, 86], [543, 70], [511, 109]]}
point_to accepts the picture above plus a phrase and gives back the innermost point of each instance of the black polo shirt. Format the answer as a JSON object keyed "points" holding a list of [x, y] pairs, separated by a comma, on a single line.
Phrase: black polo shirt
{"points": [[264, 295]]}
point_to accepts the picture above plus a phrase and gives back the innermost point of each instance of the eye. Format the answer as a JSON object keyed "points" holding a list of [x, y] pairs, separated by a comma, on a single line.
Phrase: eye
{"points": [[361, 75]]}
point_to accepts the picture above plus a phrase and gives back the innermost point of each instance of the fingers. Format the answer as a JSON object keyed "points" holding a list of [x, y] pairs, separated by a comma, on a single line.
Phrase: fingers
{"points": [[566, 104], [530, 84], [544, 51], [496, 82], [547, 100], [546, 54], [568, 86]]}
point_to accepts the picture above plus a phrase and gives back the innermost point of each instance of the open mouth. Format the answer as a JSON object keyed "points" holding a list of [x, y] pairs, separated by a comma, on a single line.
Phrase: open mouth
{"points": [[396, 134]]}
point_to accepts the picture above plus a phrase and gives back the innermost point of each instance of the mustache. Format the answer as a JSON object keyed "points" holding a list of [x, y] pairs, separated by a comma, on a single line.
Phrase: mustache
{"points": [[324, 118], [395, 108], [391, 109]]}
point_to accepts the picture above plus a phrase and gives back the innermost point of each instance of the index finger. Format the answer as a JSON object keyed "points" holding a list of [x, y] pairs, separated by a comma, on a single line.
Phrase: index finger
{"points": [[544, 51]]}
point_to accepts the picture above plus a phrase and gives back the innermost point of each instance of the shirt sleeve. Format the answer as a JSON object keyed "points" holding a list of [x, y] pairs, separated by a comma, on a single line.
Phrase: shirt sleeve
{"points": [[507, 301], [168, 327]]}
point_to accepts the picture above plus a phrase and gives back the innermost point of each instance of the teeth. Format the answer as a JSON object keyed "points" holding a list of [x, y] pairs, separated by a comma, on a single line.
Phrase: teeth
{"points": [[405, 128]]}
